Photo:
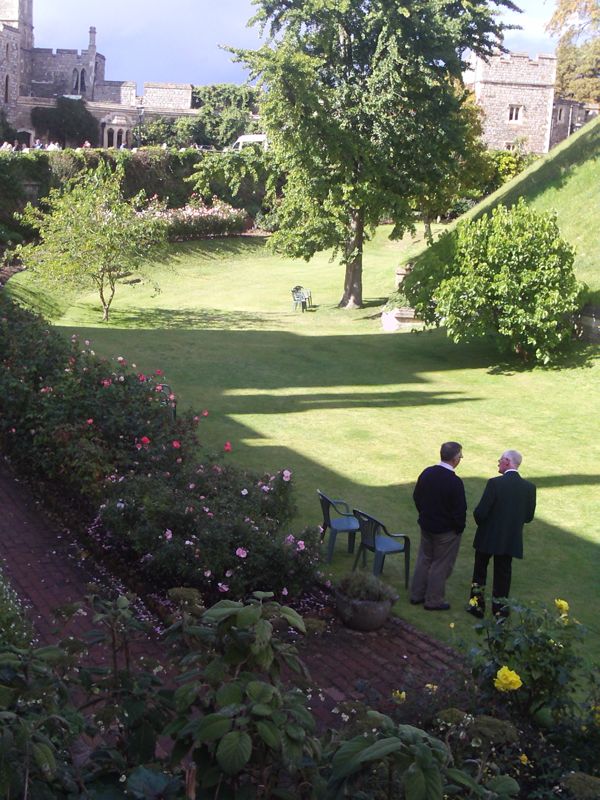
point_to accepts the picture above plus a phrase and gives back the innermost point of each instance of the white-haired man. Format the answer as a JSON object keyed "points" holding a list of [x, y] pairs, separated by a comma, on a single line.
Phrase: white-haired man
{"points": [[507, 503]]}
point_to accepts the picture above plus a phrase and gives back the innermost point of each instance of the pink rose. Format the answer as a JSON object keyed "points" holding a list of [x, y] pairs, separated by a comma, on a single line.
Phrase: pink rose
{"points": [[300, 545], [223, 587], [241, 553]]}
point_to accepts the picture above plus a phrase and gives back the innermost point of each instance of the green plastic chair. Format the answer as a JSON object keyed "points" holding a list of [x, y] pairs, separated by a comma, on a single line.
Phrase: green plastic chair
{"points": [[345, 522], [374, 536]]}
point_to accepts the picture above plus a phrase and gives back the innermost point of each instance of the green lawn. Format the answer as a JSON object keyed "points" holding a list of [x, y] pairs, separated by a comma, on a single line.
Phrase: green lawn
{"points": [[360, 413]]}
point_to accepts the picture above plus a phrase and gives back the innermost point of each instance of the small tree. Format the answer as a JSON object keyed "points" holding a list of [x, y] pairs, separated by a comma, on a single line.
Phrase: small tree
{"points": [[508, 275], [90, 236], [69, 122]]}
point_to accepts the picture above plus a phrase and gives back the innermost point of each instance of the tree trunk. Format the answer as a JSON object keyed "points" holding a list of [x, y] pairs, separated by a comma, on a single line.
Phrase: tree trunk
{"points": [[352, 297], [428, 231]]}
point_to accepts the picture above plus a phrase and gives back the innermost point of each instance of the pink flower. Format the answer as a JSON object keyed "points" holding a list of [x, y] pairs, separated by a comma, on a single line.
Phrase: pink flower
{"points": [[300, 545], [192, 486], [207, 573], [90, 421], [176, 444], [205, 413], [265, 489], [229, 573], [223, 587], [106, 382], [286, 475], [227, 447], [241, 553], [284, 592], [196, 419], [290, 539], [168, 535], [145, 441], [158, 372]]}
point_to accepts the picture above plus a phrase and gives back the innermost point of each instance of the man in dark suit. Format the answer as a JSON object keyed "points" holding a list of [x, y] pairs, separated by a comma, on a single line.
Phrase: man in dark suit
{"points": [[440, 500], [507, 503]]}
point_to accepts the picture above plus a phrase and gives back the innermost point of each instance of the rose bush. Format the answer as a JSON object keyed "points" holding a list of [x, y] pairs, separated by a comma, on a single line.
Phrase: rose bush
{"points": [[101, 438], [197, 220]]}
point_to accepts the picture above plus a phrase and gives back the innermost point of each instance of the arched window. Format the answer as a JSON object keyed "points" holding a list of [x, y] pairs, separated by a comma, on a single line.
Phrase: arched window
{"points": [[110, 138], [82, 82], [75, 89], [7, 52], [119, 137], [6, 88]]}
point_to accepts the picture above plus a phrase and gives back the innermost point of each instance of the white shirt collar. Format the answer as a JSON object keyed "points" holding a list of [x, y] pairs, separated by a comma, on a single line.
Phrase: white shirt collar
{"points": [[446, 466], [512, 469]]}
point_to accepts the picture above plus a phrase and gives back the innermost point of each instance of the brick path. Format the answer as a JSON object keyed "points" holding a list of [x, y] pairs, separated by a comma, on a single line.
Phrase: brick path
{"points": [[46, 568]]}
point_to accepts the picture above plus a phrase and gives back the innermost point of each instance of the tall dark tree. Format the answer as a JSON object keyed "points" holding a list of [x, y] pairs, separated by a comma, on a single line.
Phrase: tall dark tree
{"points": [[362, 112], [69, 122]]}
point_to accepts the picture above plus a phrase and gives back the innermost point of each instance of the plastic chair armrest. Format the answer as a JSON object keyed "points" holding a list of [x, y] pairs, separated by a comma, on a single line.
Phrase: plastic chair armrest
{"points": [[337, 503]]}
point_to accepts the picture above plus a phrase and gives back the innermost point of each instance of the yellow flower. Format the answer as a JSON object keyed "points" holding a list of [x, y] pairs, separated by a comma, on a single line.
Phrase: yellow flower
{"points": [[507, 680], [432, 687], [523, 759], [473, 602], [399, 696], [561, 606], [452, 625]]}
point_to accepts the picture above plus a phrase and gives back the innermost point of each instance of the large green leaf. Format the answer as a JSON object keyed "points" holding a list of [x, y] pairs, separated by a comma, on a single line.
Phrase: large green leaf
{"points": [[230, 694], [269, 733], [234, 751], [415, 787], [504, 786], [345, 761], [381, 749], [260, 692], [44, 759], [221, 611], [144, 784], [210, 727], [293, 618], [248, 616], [185, 696]]}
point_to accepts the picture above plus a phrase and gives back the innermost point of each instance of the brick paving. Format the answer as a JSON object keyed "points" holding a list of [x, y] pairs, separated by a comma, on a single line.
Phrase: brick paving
{"points": [[47, 569]]}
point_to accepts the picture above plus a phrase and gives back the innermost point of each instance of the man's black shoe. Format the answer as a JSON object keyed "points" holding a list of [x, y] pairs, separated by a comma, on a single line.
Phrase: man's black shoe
{"points": [[475, 611], [441, 607]]}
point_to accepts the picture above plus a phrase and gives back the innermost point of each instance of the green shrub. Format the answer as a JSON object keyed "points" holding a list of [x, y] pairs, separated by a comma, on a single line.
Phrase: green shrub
{"points": [[508, 276], [362, 585]]}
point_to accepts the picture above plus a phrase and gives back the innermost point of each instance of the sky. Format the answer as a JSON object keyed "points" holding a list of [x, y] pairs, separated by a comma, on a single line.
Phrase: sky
{"points": [[144, 44]]}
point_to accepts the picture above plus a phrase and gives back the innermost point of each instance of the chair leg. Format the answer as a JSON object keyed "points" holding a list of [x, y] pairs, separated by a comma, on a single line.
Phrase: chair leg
{"points": [[351, 539], [378, 561], [360, 550], [406, 564], [331, 545]]}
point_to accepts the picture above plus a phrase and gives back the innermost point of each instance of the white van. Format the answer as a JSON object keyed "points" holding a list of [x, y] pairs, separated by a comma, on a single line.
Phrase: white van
{"points": [[250, 138]]}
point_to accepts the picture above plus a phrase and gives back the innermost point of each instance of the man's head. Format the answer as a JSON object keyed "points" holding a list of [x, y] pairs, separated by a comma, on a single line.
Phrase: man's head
{"points": [[451, 453], [510, 459]]}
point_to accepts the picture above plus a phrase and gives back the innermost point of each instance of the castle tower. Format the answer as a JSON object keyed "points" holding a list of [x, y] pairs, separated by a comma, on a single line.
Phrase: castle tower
{"points": [[19, 14]]}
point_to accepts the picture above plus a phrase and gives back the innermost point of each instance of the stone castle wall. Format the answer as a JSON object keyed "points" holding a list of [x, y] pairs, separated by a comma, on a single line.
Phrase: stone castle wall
{"points": [[170, 96], [54, 73], [119, 92], [9, 68], [516, 94]]}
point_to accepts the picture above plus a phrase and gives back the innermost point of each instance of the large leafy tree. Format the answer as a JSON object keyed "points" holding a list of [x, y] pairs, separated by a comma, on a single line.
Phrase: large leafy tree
{"points": [[578, 66], [362, 112], [90, 236], [69, 122]]}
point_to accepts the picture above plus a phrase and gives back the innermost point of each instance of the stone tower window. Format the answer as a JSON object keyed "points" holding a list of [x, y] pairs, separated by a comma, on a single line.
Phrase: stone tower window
{"points": [[515, 113], [82, 82], [75, 82], [560, 114], [6, 88]]}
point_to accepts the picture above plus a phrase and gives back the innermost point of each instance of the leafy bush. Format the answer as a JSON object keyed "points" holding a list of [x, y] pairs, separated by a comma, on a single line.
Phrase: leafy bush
{"points": [[508, 276], [98, 433], [530, 660]]}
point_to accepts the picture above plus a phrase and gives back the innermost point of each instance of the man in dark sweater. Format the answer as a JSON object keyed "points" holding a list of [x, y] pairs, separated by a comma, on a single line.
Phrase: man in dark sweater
{"points": [[507, 503], [440, 500]]}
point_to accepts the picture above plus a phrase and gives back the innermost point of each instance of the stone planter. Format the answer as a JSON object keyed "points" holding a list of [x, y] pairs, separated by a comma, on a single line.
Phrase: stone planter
{"points": [[362, 615]]}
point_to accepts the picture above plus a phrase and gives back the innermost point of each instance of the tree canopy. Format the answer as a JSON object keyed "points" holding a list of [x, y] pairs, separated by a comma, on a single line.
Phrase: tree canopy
{"points": [[69, 122], [578, 54], [90, 236], [363, 106]]}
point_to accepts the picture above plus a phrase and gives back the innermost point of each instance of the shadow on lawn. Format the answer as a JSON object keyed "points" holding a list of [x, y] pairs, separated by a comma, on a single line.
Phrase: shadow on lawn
{"points": [[209, 318]]}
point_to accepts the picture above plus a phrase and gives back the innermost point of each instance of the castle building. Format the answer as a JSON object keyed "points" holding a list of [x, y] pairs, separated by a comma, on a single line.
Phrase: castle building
{"points": [[520, 110], [33, 77]]}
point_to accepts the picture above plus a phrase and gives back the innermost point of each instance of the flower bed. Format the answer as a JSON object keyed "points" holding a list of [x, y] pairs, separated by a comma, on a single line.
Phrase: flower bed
{"points": [[101, 436], [198, 221]]}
